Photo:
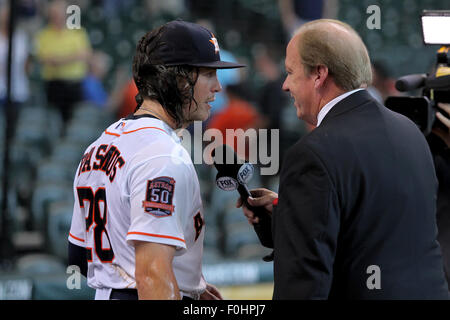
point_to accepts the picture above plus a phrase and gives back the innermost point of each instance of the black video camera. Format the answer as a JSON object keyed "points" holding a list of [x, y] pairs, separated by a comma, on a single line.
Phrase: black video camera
{"points": [[435, 86]]}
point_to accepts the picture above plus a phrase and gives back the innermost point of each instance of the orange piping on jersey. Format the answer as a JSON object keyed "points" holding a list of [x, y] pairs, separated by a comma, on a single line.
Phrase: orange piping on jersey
{"points": [[76, 238], [155, 235], [113, 134], [126, 132]]}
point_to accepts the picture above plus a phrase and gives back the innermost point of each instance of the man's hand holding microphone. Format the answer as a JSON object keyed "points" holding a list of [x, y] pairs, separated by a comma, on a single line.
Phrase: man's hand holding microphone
{"points": [[260, 197], [234, 174]]}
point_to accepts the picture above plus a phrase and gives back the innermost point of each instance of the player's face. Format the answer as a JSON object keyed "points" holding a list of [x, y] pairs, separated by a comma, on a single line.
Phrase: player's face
{"points": [[205, 89], [299, 85]]}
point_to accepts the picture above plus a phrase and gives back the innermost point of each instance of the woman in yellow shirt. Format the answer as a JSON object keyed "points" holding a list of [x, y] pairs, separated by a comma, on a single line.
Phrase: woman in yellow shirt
{"points": [[63, 54]]}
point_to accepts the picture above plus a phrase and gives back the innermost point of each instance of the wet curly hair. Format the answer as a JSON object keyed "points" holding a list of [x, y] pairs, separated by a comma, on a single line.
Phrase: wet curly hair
{"points": [[171, 86]]}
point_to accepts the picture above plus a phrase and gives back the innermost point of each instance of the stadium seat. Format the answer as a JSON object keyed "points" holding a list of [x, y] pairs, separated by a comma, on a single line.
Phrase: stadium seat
{"points": [[68, 153], [55, 124], [212, 233], [58, 226], [32, 114], [56, 287], [47, 120], [239, 236], [211, 255], [39, 263], [43, 196], [33, 135], [2, 127], [238, 232], [53, 171], [15, 220], [91, 114], [222, 200], [82, 133], [23, 161]]}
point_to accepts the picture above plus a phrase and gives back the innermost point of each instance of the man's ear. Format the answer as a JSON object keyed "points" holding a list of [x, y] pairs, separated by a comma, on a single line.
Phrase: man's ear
{"points": [[321, 74]]}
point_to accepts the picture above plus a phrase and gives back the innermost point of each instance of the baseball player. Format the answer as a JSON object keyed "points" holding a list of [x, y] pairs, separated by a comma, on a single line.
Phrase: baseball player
{"points": [[137, 227]]}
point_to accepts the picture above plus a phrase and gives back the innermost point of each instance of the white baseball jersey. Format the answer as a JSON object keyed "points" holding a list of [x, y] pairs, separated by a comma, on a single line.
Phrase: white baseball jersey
{"points": [[137, 182]]}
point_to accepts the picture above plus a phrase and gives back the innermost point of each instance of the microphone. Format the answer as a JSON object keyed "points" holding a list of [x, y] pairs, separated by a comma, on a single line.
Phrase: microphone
{"points": [[410, 82], [234, 174]]}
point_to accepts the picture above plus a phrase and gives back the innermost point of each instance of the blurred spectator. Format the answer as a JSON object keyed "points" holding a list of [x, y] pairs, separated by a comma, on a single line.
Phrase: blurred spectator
{"points": [[294, 13], [29, 16], [226, 76], [174, 8], [272, 99], [64, 55], [113, 8], [19, 79], [93, 89], [238, 114], [122, 99], [383, 85], [127, 102]]}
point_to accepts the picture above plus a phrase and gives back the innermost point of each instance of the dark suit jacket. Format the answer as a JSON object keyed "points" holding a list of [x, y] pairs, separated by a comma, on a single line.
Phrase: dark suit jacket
{"points": [[358, 191], [441, 155]]}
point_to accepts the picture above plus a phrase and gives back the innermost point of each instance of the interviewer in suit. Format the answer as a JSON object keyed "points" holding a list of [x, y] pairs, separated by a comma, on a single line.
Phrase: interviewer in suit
{"points": [[355, 217]]}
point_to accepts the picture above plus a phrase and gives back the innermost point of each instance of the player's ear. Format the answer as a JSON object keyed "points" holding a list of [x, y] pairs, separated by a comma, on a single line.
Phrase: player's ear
{"points": [[320, 74]]}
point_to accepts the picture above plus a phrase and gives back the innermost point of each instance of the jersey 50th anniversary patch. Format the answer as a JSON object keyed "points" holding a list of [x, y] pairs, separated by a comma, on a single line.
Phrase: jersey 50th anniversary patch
{"points": [[159, 196]]}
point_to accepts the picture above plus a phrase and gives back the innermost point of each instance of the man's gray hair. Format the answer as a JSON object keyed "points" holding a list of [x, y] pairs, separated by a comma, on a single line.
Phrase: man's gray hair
{"points": [[337, 46]]}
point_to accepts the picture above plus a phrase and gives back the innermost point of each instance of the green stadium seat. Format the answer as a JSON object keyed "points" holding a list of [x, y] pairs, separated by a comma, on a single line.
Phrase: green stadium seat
{"points": [[55, 287], [53, 171], [15, 286], [23, 162], [88, 113], [39, 263], [34, 136], [82, 133], [58, 227], [43, 196], [238, 232], [15, 222], [240, 236], [68, 153], [212, 233], [32, 114], [211, 255]]}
